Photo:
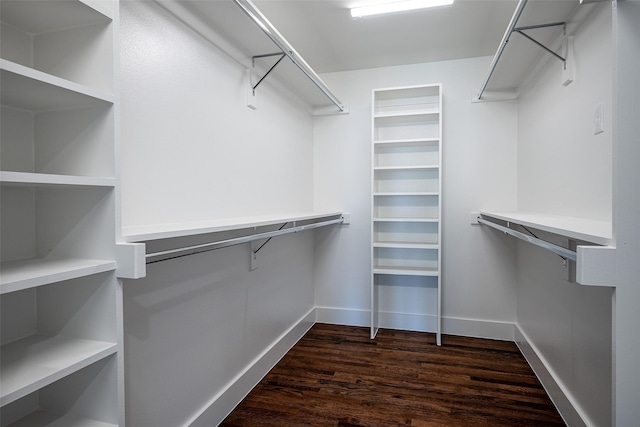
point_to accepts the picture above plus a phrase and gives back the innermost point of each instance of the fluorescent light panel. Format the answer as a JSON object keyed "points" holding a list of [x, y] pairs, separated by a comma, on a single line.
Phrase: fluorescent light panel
{"points": [[396, 6]]}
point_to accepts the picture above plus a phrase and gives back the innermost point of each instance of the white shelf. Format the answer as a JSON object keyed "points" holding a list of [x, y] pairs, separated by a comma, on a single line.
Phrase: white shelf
{"points": [[419, 113], [39, 17], [34, 362], [50, 419], [408, 193], [522, 59], [24, 274], [406, 159], [401, 118], [61, 324], [408, 141], [33, 90], [40, 180], [406, 245], [406, 168], [166, 231], [588, 230], [396, 219], [406, 271]]}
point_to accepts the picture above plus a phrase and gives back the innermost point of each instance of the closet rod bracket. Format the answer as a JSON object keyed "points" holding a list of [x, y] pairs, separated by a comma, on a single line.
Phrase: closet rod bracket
{"points": [[282, 55], [521, 31]]}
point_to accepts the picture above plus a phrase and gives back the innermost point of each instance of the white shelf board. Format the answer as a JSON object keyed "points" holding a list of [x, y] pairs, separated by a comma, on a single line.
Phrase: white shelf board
{"points": [[24, 274], [406, 168], [405, 245], [143, 233], [33, 90], [50, 419], [227, 26], [406, 271], [414, 141], [39, 17], [404, 219], [42, 180], [403, 92], [522, 59], [405, 119], [408, 193], [36, 361], [408, 113], [588, 230]]}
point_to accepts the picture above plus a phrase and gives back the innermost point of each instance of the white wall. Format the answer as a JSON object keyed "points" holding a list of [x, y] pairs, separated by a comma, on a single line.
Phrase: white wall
{"points": [[192, 150], [480, 160], [184, 116], [564, 169]]}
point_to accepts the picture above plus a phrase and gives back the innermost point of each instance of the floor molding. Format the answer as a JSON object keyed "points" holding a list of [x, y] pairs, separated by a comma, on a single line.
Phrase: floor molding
{"points": [[226, 400], [496, 330], [561, 398]]}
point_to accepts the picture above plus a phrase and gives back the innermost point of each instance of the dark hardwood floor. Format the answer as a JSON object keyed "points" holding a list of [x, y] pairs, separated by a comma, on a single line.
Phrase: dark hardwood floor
{"points": [[337, 376]]}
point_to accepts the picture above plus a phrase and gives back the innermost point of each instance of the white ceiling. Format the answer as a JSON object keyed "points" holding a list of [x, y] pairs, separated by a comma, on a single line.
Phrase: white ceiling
{"points": [[324, 33]]}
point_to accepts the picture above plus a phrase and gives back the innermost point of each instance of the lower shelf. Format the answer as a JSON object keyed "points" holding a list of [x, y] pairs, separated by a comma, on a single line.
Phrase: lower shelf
{"points": [[31, 363], [50, 419], [406, 271], [23, 274]]}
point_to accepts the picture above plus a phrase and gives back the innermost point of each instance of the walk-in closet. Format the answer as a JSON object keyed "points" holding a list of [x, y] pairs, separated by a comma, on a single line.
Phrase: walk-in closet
{"points": [[207, 201]]}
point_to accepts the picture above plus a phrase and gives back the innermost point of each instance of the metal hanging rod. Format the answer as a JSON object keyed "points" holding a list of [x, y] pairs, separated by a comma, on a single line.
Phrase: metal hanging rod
{"points": [[503, 44], [205, 247], [261, 21], [559, 250]]}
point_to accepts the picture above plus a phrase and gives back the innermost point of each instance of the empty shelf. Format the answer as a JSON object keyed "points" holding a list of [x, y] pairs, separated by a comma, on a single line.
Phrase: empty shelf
{"points": [[50, 419], [41, 180], [588, 230], [34, 362], [23, 274]]}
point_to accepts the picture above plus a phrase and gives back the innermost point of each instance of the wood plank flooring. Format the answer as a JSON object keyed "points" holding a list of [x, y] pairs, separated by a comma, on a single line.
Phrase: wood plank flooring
{"points": [[337, 376]]}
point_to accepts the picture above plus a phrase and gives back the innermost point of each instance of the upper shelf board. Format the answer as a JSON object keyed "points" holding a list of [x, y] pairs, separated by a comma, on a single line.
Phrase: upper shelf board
{"points": [[521, 58], [227, 26], [144, 233], [39, 180], [40, 17], [33, 90], [588, 230]]}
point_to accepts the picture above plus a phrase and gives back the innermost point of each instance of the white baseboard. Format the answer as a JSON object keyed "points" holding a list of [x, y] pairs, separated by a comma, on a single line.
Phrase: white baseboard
{"points": [[561, 398], [224, 402], [503, 331], [343, 316]]}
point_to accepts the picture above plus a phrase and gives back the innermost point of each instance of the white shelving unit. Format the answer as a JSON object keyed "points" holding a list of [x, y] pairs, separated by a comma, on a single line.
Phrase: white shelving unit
{"points": [[61, 342], [406, 202]]}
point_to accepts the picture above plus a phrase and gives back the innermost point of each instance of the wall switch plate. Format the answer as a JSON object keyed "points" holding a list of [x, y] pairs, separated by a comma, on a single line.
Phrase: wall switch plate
{"points": [[598, 119]]}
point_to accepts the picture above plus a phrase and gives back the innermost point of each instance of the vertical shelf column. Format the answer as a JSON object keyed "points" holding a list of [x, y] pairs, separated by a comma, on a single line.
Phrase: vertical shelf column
{"points": [[406, 207], [61, 302]]}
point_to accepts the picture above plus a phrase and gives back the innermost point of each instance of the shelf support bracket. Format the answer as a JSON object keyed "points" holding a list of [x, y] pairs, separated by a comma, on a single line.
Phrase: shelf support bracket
{"points": [[253, 60], [520, 30]]}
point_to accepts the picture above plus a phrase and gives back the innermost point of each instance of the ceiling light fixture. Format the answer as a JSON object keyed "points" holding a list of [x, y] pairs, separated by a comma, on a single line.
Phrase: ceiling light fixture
{"points": [[396, 7]]}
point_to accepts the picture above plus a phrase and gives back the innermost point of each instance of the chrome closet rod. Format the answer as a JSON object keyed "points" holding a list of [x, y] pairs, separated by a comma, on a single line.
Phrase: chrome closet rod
{"points": [[503, 44], [559, 250], [261, 21], [205, 247]]}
